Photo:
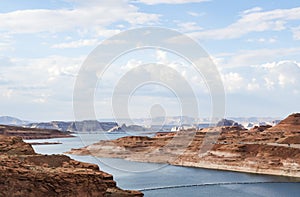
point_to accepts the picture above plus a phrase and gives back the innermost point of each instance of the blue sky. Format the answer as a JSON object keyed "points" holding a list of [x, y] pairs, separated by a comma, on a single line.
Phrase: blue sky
{"points": [[254, 44]]}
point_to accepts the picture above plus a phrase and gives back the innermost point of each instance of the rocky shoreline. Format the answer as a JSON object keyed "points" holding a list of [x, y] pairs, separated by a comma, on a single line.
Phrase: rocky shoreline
{"points": [[25, 173], [261, 150], [44, 143]]}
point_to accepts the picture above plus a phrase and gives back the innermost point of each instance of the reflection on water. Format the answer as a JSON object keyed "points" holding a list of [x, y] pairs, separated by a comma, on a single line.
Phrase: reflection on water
{"points": [[160, 175]]}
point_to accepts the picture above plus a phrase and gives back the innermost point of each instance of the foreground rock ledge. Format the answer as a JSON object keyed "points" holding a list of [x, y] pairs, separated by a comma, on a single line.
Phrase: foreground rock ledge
{"points": [[25, 173]]}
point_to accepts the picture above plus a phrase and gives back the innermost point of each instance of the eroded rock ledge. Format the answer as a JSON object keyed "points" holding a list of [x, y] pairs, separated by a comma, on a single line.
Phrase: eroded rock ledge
{"points": [[25, 173], [263, 150], [32, 133]]}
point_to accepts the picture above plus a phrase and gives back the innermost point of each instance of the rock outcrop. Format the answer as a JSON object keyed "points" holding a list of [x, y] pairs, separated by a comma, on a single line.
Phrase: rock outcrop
{"points": [[265, 149], [227, 123], [290, 124], [77, 126], [125, 128], [25, 173], [32, 133]]}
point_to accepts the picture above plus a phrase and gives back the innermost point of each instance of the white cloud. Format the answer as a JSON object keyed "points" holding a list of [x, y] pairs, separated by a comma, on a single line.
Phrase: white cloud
{"points": [[106, 32], [196, 14], [273, 20], [255, 9], [263, 40], [6, 42], [41, 99], [153, 2], [139, 18], [7, 93], [296, 33], [84, 16], [35, 85], [232, 81], [77, 44], [282, 76], [132, 63], [189, 26], [43, 76], [269, 83], [253, 85], [161, 56], [255, 57]]}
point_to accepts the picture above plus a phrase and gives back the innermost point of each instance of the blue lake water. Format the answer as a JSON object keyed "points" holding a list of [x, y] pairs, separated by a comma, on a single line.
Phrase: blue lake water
{"points": [[138, 176]]}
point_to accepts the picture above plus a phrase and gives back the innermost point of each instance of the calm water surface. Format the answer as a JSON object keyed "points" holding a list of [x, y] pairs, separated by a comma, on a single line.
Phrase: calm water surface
{"points": [[138, 176]]}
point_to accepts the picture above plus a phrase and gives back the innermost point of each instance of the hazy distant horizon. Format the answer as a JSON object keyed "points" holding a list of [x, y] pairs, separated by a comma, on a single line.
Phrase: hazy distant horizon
{"points": [[141, 119]]}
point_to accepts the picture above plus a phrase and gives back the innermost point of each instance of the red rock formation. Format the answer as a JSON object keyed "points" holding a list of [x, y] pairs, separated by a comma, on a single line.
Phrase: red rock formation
{"points": [[25, 173], [290, 124], [32, 133], [264, 150]]}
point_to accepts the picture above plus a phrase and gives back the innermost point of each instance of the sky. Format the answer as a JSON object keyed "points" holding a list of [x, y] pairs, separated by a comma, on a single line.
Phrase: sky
{"points": [[254, 44]]}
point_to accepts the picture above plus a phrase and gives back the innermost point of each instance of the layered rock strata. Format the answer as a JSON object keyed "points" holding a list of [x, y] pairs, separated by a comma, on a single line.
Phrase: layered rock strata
{"points": [[25, 173]]}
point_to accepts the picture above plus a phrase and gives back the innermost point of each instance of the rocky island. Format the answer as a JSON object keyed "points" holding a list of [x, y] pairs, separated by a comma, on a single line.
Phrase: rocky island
{"points": [[264, 150], [25, 173]]}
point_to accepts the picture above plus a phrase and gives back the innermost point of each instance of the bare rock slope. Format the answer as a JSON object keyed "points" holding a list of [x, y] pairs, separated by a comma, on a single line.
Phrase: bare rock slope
{"points": [[25, 173]]}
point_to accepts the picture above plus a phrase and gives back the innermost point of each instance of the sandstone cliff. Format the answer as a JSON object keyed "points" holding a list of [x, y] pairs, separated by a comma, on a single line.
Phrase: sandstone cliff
{"points": [[25, 173], [290, 124], [32, 133]]}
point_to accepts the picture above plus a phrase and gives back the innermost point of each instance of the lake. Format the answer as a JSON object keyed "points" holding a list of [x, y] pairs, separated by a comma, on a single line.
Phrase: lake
{"points": [[166, 180]]}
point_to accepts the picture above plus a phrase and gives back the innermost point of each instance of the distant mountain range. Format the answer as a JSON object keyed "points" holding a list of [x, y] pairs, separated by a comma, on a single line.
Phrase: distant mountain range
{"points": [[185, 120], [141, 124], [8, 120], [77, 126]]}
